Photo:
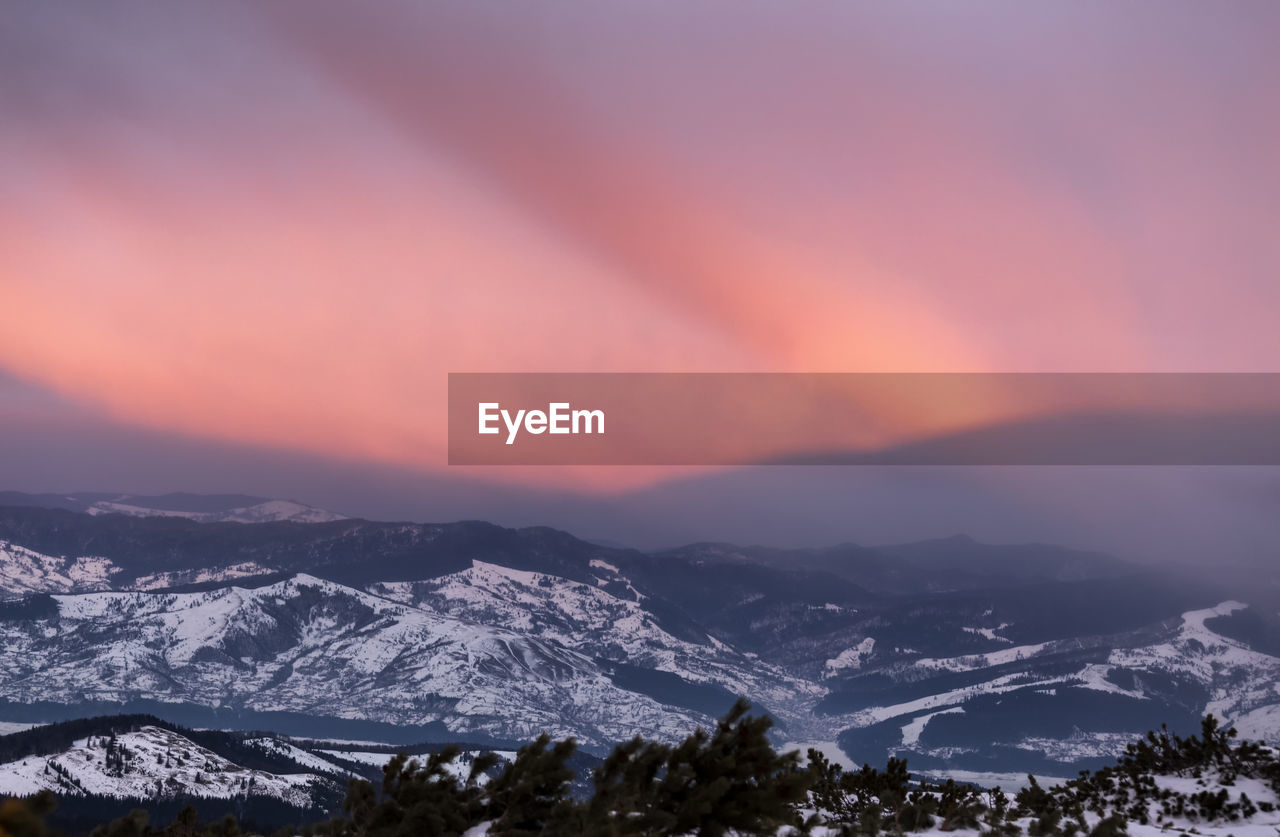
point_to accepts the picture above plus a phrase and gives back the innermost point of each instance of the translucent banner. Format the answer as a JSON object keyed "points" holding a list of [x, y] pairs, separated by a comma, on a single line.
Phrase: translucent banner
{"points": [[849, 419]]}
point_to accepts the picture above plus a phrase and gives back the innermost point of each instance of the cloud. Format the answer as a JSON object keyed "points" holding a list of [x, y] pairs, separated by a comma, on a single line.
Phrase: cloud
{"points": [[283, 225]]}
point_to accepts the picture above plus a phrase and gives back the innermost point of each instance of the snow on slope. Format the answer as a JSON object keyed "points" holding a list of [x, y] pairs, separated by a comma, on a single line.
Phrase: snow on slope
{"points": [[850, 657], [265, 512], [306, 758], [159, 763], [1261, 724], [373, 759], [970, 662], [829, 749], [1240, 679], [459, 768], [24, 571], [174, 578], [313, 646], [597, 623], [941, 700], [1079, 745], [912, 731], [1243, 684], [990, 633]]}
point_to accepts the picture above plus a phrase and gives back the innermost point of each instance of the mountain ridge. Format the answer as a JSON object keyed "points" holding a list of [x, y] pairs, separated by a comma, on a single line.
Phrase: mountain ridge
{"points": [[473, 629]]}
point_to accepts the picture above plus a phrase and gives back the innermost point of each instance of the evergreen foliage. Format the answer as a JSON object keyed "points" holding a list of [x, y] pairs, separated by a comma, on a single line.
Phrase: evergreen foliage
{"points": [[869, 801], [730, 780], [1129, 789], [415, 798]]}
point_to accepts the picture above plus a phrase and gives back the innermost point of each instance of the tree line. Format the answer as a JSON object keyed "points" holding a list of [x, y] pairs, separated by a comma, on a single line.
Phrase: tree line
{"points": [[730, 780]]}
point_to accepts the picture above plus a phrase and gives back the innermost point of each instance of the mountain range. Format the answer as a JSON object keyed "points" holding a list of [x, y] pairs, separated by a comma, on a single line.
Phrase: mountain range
{"points": [[969, 659], [206, 508]]}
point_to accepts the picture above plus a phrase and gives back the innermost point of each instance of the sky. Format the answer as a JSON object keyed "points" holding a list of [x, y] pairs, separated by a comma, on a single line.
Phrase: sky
{"points": [[248, 233]]}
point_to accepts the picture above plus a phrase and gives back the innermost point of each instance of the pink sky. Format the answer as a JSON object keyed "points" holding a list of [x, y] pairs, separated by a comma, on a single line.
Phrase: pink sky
{"points": [[285, 227]]}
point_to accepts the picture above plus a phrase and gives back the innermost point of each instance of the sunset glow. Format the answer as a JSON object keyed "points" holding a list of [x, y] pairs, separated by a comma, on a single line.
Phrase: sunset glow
{"points": [[286, 227]]}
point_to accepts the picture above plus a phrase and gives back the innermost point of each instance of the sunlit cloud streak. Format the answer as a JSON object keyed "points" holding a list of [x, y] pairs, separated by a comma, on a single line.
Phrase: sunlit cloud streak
{"points": [[283, 225]]}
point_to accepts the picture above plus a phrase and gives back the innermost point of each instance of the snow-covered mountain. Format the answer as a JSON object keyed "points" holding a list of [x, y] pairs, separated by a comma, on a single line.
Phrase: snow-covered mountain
{"points": [[102, 767], [265, 511], [411, 632], [1071, 701], [205, 508], [311, 646], [587, 618], [152, 763], [24, 570]]}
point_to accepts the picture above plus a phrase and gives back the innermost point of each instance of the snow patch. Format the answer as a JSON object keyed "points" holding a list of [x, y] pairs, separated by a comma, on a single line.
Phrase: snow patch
{"points": [[157, 764], [911, 732], [157, 581], [990, 633], [850, 658], [270, 511], [830, 749], [24, 571], [972, 662]]}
